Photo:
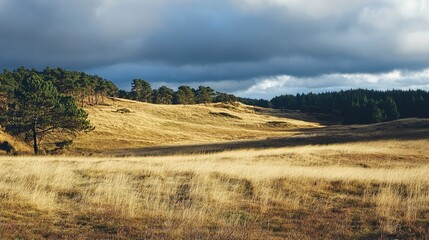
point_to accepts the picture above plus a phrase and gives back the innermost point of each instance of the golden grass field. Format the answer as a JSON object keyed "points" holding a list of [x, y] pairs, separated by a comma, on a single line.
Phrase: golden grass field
{"points": [[155, 125], [355, 190], [294, 180]]}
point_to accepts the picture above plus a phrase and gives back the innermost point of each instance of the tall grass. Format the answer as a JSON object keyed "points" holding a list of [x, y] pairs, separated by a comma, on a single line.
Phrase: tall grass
{"points": [[246, 194]]}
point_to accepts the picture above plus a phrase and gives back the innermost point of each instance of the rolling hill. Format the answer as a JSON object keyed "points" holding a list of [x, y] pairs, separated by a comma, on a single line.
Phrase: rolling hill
{"points": [[122, 124], [125, 128], [220, 171]]}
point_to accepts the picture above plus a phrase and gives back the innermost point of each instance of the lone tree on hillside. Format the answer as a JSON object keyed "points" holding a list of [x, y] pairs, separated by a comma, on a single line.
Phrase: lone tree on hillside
{"points": [[38, 110]]}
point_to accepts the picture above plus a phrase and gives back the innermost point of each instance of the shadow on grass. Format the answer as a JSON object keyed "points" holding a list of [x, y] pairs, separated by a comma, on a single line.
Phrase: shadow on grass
{"points": [[405, 129]]}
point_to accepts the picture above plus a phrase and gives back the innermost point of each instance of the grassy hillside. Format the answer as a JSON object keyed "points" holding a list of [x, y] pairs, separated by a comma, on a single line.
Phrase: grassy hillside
{"points": [[17, 144], [365, 190], [279, 178], [129, 124]]}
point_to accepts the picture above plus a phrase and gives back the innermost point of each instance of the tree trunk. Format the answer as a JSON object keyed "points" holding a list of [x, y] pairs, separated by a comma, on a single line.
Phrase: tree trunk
{"points": [[35, 147]]}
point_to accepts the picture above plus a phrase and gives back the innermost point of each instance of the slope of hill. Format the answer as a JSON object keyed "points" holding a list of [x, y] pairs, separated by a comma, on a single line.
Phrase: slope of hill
{"points": [[124, 123], [19, 146], [126, 127]]}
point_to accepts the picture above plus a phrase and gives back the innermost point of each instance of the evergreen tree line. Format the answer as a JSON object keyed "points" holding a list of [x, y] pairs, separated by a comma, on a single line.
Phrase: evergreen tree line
{"points": [[352, 106], [141, 90], [92, 89], [360, 106], [84, 88]]}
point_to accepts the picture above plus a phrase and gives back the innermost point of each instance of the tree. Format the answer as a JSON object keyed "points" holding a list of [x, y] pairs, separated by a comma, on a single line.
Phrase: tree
{"points": [[154, 96], [83, 86], [390, 109], [124, 94], [184, 95], [164, 95], [146, 91], [205, 94], [38, 110], [426, 106], [136, 87], [374, 114], [141, 90], [112, 89], [3, 98], [255, 102], [7, 85], [226, 98]]}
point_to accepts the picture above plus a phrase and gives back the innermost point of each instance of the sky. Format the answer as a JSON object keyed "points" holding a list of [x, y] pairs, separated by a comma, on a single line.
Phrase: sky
{"points": [[251, 48]]}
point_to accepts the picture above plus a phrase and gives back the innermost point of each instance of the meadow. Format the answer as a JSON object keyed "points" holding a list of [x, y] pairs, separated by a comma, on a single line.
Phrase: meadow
{"points": [[220, 171], [127, 124], [365, 190]]}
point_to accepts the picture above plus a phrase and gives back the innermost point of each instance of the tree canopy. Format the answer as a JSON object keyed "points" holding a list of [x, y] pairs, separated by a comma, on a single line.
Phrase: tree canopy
{"points": [[184, 95], [205, 94], [164, 95], [141, 90], [87, 89], [38, 110]]}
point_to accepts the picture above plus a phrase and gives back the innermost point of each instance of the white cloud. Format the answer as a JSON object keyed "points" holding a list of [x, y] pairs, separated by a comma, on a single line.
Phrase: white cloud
{"points": [[284, 84], [415, 43], [313, 9]]}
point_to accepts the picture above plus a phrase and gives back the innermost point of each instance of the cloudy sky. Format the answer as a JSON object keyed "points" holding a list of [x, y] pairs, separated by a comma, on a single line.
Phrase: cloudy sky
{"points": [[253, 48]]}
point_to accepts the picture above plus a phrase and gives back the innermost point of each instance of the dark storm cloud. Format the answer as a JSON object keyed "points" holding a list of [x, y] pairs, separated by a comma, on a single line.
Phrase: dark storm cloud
{"points": [[75, 34], [233, 44]]}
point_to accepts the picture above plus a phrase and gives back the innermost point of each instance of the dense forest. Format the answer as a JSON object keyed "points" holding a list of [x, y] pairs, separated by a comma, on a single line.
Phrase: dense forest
{"points": [[351, 106], [360, 106]]}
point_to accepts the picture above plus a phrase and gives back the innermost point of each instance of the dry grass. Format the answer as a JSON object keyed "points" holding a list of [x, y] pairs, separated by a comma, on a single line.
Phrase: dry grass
{"points": [[155, 124], [356, 190], [18, 145]]}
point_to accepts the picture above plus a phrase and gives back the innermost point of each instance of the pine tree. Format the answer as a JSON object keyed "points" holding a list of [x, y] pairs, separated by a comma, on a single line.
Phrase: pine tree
{"points": [[225, 98], [38, 110], [205, 94], [374, 114], [136, 89], [146, 92], [184, 95], [164, 95], [141, 90], [390, 109]]}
